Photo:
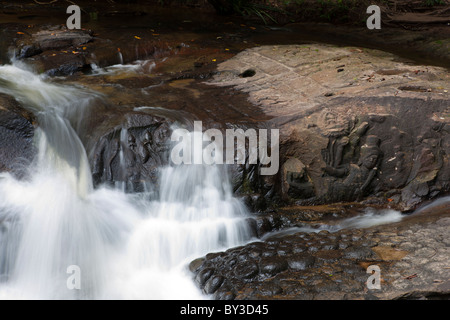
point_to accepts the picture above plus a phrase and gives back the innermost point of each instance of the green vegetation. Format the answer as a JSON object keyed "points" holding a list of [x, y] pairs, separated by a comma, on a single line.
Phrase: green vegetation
{"points": [[431, 3], [284, 11], [248, 8]]}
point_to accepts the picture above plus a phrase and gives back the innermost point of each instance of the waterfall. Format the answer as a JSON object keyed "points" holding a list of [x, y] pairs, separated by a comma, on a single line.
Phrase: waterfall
{"points": [[124, 246]]}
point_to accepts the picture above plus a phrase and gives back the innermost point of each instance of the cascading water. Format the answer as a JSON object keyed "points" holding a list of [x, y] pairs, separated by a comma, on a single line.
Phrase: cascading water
{"points": [[126, 246]]}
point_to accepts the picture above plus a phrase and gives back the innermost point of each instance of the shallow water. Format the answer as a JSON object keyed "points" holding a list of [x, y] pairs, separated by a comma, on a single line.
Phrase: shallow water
{"points": [[369, 217]]}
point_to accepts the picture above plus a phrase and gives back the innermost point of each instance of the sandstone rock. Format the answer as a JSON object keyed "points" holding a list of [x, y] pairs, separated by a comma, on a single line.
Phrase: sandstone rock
{"points": [[54, 50], [279, 271], [375, 135]]}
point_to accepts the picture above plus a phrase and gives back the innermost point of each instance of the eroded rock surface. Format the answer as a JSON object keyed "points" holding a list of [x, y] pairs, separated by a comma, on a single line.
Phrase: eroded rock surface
{"points": [[412, 256], [354, 122]]}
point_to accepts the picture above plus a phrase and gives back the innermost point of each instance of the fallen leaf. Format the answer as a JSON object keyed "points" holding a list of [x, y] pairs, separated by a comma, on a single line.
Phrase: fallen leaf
{"points": [[137, 37], [20, 32], [386, 253], [411, 276], [214, 60]]}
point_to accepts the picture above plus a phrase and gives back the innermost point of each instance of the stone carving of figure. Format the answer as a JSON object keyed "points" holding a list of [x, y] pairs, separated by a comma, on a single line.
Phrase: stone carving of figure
{"points": [[335, 151], [145, 147], [131, 159], [104, 155], [160, 138], [357, 177], [296, 182], [112, 150], [141, 153], [367, 166]]}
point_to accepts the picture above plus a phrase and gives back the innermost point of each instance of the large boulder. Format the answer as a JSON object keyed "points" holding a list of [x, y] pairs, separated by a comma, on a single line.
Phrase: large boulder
{"points": [[54, 50], [355, 123]]}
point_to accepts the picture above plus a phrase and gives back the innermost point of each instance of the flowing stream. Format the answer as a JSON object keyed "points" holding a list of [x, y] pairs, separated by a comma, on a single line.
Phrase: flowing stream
{"points": [[61, 238], [123, 246]]}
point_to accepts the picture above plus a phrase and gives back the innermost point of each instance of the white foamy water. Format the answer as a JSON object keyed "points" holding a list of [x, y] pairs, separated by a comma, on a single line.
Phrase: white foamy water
{"points": [[369, 218], [127, 246], [139, 66]]}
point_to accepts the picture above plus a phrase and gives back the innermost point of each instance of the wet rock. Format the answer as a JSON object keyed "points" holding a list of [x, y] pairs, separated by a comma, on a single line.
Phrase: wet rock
{"points": [[213, 284], [246, 270], [55, 63], [58, 51], [358, 253], [328, 255], [59, 38], [16, 136], [270, 266], [195, 265], [224, 294], [54, 50], [28, 51], [129, 149], [300, 261], [203, 276], [419, 273]]}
